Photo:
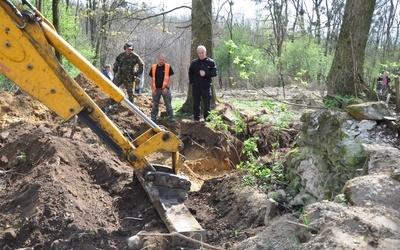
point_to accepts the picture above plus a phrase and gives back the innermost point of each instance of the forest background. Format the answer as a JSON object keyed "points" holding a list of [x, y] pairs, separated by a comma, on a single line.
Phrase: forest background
{"points": [[284, 41]]}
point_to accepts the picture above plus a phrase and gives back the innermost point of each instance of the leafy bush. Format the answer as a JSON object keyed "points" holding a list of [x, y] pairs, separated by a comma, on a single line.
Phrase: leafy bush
{"points": [[216, 121], [256, 173], [305, 54], [239, 125]]}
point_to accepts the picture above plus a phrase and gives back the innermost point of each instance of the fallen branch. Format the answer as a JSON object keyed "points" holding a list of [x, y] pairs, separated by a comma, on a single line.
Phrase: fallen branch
{"points": [[193, 141], [132, 218], [192, 172], [6, 171]]}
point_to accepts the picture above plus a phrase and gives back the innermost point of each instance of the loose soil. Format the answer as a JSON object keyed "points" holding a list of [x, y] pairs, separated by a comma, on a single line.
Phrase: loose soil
{"points": [[62, 188]]}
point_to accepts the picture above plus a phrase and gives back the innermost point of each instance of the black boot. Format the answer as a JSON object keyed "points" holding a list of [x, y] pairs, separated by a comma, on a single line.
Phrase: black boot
{"points": [[130, 98]]}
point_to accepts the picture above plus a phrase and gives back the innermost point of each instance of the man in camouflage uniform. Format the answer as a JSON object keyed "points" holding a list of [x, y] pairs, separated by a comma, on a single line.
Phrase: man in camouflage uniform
{"points": [[126, 70]]}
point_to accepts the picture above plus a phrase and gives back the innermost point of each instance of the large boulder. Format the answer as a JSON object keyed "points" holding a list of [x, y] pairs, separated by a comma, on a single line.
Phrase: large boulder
{"points": [[328, 153], [369, 111]]}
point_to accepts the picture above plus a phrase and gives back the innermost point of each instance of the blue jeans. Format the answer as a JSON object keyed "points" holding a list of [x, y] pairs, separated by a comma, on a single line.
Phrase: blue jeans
{"points": [[167, 97]]}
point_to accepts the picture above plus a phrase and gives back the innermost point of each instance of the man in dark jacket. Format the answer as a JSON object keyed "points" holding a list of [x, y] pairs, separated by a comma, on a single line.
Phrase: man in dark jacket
{"points": [[201, 70], [126, 69]]}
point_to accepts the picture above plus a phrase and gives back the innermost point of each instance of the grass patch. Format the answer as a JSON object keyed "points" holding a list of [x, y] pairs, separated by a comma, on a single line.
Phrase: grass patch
{"points": [[177, 103]]}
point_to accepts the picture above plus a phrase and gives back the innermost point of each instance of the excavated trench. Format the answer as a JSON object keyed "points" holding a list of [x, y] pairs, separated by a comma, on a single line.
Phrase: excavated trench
{"points": [[58, 192]]}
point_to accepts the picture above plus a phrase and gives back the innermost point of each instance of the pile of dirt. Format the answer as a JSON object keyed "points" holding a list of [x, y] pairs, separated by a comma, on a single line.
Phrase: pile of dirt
{"points": [[61, 188]]}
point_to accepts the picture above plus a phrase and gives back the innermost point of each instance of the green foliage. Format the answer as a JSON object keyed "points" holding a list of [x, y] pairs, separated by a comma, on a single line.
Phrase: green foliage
{"points": [[301, 77], [250, 147], [246, 65], [306, 56], [239, 125], [256, 173], [374, 63], [235, 233], [343, 201], [15, 223], [391, 67], [216, 121], [248, 104], [336, 102], [250, 167], [305, 220], [6, 84], [177, 103], [70, 31], [231, 46], [247, 61], [331, 103], [280, 117], [21, 157]]}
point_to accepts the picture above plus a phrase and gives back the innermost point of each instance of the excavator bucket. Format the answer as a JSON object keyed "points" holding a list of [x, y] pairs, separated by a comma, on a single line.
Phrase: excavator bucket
{"points": [[169, 205]]}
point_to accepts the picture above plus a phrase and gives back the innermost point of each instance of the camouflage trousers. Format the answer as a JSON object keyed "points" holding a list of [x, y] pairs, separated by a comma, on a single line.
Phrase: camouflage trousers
{"points": [[129, 88]]}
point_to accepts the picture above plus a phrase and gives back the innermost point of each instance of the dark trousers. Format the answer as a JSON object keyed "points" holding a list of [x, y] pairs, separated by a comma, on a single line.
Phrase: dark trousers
{"points": [[199, 95]]}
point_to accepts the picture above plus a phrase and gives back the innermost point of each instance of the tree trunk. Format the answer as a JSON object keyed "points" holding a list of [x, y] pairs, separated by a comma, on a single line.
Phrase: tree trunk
{"points": [[201, 35], [56, 22], [346, 73], [317, 6], [39, 5]]}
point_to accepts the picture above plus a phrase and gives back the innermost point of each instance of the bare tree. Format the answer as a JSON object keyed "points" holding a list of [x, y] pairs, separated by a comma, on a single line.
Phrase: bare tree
{"points": [[334, 10], [299, 18], [279, 17], [346, 73]]}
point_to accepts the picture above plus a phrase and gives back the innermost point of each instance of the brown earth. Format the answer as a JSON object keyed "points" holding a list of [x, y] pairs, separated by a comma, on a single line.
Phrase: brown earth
{"points": [[59, 191]]}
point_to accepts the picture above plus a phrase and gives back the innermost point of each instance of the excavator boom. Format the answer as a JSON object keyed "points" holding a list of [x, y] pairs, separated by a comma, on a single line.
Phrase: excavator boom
{"points": [[28, 41]]}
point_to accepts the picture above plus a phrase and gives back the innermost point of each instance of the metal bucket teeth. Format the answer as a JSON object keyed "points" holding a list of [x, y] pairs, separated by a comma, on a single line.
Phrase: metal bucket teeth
{"points": [[175, 215]]}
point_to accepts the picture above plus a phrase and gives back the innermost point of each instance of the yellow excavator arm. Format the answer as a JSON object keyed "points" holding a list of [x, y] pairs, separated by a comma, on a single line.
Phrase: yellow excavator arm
{"points": [[28, 41]]}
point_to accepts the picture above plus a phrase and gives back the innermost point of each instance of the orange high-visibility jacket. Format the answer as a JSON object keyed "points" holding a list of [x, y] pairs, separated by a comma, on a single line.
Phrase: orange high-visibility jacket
{"points": [[166, 76]]}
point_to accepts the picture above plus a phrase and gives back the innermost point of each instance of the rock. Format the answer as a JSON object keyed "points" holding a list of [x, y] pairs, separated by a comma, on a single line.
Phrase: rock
{"points": [[369, 111], [366, 125], [285, 236], [331, 149], [375, 189], [278, 195], [4, 136], [270, 211], [10, 234], [135, 242], [382, 159]]}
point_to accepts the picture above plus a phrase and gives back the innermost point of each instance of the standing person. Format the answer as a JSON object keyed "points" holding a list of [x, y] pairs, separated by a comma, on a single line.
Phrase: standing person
{"points": [[201, 70], [124, 67], [107, 72], [160, 79]]}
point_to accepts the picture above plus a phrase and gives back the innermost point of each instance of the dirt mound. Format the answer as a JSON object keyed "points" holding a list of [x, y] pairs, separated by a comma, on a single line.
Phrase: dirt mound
{"points": [[227, 207], [55, 187], [59, 191], [22, 108]]}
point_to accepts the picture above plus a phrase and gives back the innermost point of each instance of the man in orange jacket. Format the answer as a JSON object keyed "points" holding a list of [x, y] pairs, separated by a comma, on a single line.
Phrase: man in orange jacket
{"points": [[160, 79]]}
